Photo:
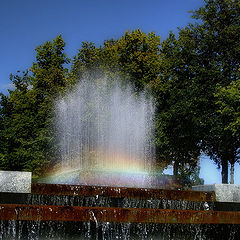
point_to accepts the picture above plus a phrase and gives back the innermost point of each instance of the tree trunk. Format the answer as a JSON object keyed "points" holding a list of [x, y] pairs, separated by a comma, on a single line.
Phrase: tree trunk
{"points": [[232, 173], [175, 168], [224, 171]]}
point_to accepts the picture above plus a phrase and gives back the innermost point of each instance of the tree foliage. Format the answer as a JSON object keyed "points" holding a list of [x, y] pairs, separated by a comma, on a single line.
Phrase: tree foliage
{"points": [[134, 57], [228, 102], [218, 52], [26, 113]]}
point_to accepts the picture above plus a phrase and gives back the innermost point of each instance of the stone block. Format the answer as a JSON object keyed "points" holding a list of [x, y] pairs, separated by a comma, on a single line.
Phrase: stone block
{"points": [[224, 192], [15, 181]]}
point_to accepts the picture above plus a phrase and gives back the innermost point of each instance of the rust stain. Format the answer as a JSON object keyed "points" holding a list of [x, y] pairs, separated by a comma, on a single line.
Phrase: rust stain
{"points": [[103, 214], [122, 192]]}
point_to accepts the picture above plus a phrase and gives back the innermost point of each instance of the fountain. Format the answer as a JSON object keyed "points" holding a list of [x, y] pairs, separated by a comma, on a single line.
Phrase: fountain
{"points": [[105, 135], [104, 185]]}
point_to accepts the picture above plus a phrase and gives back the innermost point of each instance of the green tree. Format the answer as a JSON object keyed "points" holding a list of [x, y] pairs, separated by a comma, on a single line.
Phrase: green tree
{"points": [[219, 49], [26, 114], [17, 124], [138, 54], [228, 101], [189, 175], [177, 129], [196, 68], [213, 42], [134, 57], [49, 79], [87, 60]]}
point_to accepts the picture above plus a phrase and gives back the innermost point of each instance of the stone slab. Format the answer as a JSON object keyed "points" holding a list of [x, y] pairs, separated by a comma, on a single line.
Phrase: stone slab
{"points": [[15, 181], [224, 192], [121, 192], [109, 214]]}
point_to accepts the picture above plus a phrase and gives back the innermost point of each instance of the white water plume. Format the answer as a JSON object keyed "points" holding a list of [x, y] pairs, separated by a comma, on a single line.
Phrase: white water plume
{"points": [[106, 126]]}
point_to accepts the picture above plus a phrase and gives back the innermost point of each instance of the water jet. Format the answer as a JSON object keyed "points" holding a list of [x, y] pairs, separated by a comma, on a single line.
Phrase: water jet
{"points": [[105, 134]]}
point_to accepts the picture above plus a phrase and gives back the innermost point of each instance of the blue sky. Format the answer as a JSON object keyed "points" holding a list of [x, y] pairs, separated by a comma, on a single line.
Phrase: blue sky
{"points": [[25, 24]]}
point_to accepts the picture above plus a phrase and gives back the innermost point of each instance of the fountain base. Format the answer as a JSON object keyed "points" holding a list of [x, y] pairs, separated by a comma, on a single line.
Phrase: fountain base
{"points": [[15, 181], [224, 192], [58, 211]]}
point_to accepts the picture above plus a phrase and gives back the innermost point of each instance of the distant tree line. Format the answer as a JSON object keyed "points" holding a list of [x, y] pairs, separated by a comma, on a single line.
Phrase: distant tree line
{"points": [[194, 77]]}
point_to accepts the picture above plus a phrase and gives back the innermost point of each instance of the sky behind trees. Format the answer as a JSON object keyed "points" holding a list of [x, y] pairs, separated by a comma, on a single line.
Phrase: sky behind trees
{"points": [[26, 24]]}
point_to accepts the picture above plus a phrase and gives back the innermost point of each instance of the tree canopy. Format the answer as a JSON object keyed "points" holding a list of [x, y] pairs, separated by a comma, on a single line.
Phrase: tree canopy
{"points": [[26, 113]]}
